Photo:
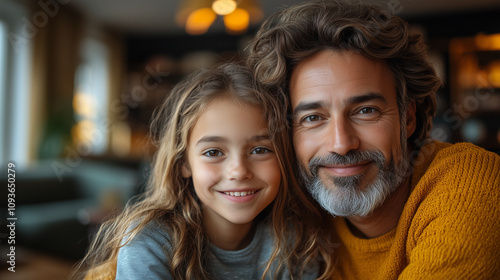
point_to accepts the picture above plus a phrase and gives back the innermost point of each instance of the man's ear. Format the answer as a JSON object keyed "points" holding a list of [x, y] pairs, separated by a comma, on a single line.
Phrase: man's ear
{"points": [[411, 119], [185, 170]]}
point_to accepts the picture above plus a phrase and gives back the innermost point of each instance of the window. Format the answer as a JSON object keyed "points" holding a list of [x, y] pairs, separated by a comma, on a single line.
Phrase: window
{"points": [[90, 102], [3, 65], [15, 49]]}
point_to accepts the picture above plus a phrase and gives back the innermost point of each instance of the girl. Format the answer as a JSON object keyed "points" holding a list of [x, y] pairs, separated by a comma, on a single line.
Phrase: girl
{"points": [[221, 202]]}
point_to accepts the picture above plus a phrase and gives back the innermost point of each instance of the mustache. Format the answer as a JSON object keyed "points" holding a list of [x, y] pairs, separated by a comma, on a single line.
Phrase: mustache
{"points": [[352, 157]]}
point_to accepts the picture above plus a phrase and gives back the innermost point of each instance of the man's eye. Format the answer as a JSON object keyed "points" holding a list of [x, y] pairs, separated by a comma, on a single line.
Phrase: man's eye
{"points": [[367, 110], [260, 150], [213, 153]]}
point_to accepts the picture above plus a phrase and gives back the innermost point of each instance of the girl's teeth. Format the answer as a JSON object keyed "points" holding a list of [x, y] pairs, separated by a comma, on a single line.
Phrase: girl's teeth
{"points": [[239, 193]]}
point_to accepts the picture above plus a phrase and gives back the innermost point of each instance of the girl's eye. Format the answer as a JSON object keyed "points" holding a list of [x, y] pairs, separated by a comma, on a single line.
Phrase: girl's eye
{"points": [[213, 153], [311, 118], [260, 150]]}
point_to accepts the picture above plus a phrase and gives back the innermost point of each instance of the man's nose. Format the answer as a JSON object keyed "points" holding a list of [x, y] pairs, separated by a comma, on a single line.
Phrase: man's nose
{"points": [[341, 136]]}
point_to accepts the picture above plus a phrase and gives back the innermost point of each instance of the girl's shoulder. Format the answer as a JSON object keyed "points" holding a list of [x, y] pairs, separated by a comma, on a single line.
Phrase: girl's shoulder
{"points": [[154, 231], [151, 241], [145, 253]]}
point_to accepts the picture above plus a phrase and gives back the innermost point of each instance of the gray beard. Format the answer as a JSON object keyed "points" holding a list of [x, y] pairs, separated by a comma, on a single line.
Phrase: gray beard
{"points": [[345, 196]]}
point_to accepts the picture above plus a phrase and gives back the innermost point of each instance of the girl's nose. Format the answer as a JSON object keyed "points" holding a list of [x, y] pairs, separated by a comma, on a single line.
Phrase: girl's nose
{"points": [[238, 169]]}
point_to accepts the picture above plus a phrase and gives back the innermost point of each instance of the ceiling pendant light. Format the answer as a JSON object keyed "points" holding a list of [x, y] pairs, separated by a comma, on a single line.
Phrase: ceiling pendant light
{"points": [[224, 7], [198, 15]]}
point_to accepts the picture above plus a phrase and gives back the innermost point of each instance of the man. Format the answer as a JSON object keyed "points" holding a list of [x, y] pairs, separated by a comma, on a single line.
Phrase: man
{"points": [[361, 96]]}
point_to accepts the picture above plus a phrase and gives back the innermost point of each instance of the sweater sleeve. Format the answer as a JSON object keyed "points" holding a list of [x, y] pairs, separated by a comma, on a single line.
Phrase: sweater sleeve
{"points": [[144, 257], [455, 233]]}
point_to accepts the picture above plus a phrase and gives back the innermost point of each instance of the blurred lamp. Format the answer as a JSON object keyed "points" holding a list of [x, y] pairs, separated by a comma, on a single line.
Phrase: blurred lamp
{"points": [[198, 15], [237, 21], [199, 21], [224, 7]]}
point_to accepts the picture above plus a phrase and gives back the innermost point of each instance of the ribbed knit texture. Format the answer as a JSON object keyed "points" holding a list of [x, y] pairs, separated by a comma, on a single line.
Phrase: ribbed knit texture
{"points": [[449, 228]]}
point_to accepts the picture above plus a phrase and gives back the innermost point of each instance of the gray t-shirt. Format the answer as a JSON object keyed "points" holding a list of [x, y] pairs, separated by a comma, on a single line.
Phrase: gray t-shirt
{"points": [[145, 257]]}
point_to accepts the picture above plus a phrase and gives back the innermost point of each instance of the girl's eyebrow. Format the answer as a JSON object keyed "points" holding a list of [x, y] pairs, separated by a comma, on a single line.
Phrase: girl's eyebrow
{"points": [[207, 139], [258, 138], [218, 139]]}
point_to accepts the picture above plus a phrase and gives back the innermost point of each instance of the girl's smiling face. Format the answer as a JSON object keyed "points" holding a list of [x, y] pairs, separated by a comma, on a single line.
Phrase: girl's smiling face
{"points": [[230, 157]]}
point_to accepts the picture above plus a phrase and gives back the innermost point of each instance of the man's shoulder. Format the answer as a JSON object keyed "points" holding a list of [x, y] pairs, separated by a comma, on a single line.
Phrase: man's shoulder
{"points": [[457, 156], [463, 149], [453, 212], [455, 164], [465, 156]]}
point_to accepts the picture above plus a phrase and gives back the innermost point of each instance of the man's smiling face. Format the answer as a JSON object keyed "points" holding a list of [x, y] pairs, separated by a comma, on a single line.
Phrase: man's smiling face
{"points": [[347, 131]]}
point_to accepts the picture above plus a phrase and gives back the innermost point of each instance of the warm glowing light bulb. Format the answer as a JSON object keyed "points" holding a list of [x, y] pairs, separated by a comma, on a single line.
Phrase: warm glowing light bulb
{"points": [[224, 7], [237, 22], [199, 21]]}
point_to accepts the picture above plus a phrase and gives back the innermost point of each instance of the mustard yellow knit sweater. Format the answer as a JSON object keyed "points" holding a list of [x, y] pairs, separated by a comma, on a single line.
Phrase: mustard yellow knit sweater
{"points": [[449, 228]]}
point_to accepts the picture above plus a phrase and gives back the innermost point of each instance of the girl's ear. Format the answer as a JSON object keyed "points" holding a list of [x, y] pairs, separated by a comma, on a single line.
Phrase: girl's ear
{"points": [[185, 170]]}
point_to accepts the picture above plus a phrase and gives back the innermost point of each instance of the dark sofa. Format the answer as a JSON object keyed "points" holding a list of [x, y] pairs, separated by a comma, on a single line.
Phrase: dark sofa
{"points": [[53, 207]]}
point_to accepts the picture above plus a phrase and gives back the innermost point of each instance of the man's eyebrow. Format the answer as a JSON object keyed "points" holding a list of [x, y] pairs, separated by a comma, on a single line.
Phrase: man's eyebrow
{"points": [[365, 97], [306, 106]]}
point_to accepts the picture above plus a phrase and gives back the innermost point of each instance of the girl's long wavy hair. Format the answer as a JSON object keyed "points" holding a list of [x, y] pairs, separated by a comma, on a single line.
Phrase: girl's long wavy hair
{"points": [[290, 36], [170, 199]]}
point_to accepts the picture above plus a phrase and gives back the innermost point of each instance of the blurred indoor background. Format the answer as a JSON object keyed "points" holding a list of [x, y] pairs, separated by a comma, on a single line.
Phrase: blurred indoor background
{"points": [[79, 80]]}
